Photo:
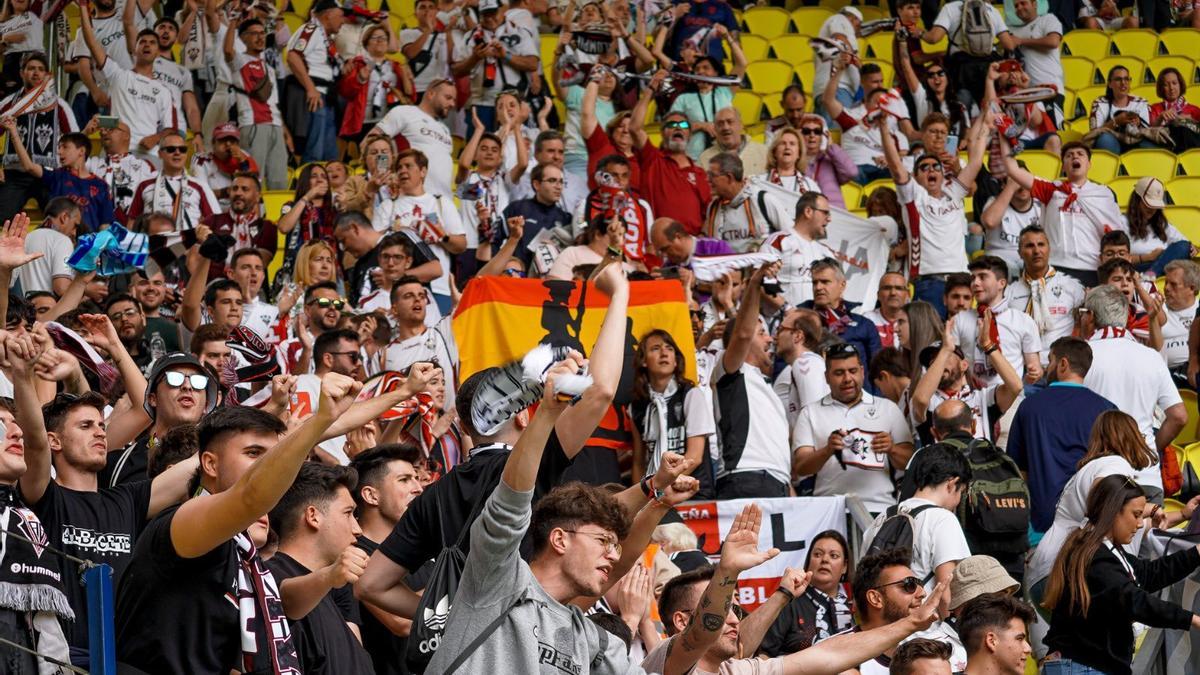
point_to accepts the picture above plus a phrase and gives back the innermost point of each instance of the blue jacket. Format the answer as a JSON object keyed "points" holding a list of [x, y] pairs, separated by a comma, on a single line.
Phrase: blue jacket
{"points": [[855, 329]]}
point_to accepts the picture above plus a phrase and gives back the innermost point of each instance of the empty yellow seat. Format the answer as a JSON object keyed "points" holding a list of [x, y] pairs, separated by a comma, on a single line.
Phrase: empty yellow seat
{"points": [[1091, 44], [1135, 66], [1122, 187], [806, 75], [852, 195], [1157, 163], [878, 45], [1188, 434], [1041, 163], [1104, 166], [749, 104], [1184, 190], [1084, 98], [770, 76], [808, 20], [1186, 219], [1180, 42], [791, 48], [1142, 43], [755, 47], [767, 22], [1077, 72], [1188, 163]]}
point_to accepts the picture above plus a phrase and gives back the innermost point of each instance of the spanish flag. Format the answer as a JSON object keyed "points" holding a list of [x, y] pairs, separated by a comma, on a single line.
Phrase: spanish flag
{"points": [[499, 319]]}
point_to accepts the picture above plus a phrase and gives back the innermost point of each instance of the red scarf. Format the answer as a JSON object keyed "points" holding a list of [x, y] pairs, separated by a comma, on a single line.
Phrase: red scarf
{"points": [[420, 408], [994, 333]]}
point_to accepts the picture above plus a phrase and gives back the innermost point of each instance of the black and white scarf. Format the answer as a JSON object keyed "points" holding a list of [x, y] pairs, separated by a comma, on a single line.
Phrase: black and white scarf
{"points": [[265, 633]]}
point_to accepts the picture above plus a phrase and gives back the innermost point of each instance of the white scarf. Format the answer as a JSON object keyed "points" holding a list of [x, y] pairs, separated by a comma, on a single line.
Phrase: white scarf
{"points": [[1036, 307], [656, 424], [176, 207]]}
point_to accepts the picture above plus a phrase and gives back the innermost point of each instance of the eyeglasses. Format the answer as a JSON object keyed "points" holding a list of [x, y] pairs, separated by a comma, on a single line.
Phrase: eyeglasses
{"points": [[355, 357], [677, 124], [173, 149], [936, 73], [551, 180], [326, 303], [825, 211], [127, 314], [810, 132], [929, 167], [391, 257], [908, 584], [175, 379], [610, 545], [1121, 79]]}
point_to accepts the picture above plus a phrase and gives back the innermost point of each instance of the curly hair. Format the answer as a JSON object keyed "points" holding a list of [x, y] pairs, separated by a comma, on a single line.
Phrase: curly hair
{"points": [[871, 567], [572, 506]]}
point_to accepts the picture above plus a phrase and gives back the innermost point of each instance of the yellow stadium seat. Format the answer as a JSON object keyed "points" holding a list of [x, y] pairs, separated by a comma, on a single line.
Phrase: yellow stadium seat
{"points": [[301, 7], [1077, 72], [755, 47], [1091, 44], [1042, 163], [1142, 43], [1067, 135], [1122, 187], [1136, 67], [1068, 106], [1183, 64], [1184, 191], [806, 74], [1188, 163], [1186, 219], [1084, 98], [878, 45], [749, 104], [871, 13], [1146, 91], [1104, 166], [1187, 435], [1157, 163], [770, 76], [273, 201], [1181, 42], [293, 21], [852, 195], [875, 185], [808, 20], [1079, 126], [767, 22], [791, 48]]}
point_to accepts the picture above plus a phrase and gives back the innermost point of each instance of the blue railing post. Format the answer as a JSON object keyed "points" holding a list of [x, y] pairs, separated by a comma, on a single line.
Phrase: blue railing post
{"points": [[101, 640]]}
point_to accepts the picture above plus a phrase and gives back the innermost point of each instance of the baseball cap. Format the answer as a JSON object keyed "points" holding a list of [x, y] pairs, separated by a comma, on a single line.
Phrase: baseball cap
{"points": [[929, 353], [852, 11], [226, 130], [489, 6], [1150, 189], [322, 5], [977, 575]]}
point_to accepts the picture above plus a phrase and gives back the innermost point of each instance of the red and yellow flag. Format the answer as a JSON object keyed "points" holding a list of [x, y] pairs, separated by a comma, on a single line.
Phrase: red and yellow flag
{"points": [[499, 319]]}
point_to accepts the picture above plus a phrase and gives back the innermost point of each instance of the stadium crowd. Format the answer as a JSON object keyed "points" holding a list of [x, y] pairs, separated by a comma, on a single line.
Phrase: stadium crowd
{"points": [[233, 364]]}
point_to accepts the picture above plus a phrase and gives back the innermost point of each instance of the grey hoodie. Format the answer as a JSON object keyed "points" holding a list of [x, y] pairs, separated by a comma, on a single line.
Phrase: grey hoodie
{"points": [[541, 636]]}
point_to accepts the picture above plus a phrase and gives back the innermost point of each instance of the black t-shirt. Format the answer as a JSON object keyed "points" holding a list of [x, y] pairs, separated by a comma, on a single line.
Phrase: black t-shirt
{"points": [[323, 641], [128, 464], [98, 526], [175, 614], [441, 514], [387, 650]]}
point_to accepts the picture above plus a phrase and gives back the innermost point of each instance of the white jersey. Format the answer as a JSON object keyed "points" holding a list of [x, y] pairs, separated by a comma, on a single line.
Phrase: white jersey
{"points": [[1075, 218], [1175, 335], [800, 383], [1018, 336], [312, 43], [123, 173], [29, 26], [141, 102], [261, 318], [426, 215], [1050, 301], [429, 135], [178, 80], [796, 254], [1043, 64], [937, 227], [248, 74], [1002, 241], [435, 343], [744, 221]]}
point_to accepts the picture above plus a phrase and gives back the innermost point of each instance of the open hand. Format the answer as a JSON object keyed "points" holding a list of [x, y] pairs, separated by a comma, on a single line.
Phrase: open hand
{"points": [[12, 243], [740, 550]]}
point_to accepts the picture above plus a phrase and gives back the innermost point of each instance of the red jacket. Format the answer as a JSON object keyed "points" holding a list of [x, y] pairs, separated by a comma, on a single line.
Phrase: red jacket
{"points": [[355, 93]]}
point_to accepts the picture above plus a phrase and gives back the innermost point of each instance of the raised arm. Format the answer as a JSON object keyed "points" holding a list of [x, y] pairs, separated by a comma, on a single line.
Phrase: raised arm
{"points": [[205, 522], [605, 362], [130, 26], [833, 106], [516, 127], [979, 133], [904, 59], [171, 486], [923, 392], [363, 412], [735, 50], [12, 253], [89, 37], [501, 256], [466, 159], [18, 145], [1007, 393], [891, 154], [521, 468], [227, 45], [637, 119], [122, 428], [587, 108], [1015, 173], [993, 214], [21, 351], [746, 323], [754, 627], [198, 266]]}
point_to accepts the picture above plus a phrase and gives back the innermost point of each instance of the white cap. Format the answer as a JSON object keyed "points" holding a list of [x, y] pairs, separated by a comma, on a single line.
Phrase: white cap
{"points": [[852, 11]]}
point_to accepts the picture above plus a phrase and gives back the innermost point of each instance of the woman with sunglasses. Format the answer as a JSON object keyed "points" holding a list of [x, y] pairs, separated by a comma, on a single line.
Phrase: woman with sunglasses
{"points": [[928, 94], [826, 163], [669, 412], [1098, 590], [1116, 113], [824, 608]]}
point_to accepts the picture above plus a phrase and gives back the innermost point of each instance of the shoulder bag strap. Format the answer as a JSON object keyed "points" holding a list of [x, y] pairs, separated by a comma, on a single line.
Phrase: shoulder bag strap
{"points": [[483, 635]]}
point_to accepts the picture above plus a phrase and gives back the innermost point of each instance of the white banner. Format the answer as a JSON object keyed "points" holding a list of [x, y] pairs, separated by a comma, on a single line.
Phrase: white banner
{"points": [[860, 244], [788, 524]]}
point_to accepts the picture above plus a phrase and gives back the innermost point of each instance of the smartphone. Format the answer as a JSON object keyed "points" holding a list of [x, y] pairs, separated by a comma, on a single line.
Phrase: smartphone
{"points": [[381, 163], [108, 121], [952, 143]]}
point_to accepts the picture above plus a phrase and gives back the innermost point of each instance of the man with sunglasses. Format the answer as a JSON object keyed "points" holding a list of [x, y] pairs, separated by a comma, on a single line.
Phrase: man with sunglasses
{"points": [[675, 186], [323, 308], [934, 213], [241, 220], [335, 351], [173, 192]]}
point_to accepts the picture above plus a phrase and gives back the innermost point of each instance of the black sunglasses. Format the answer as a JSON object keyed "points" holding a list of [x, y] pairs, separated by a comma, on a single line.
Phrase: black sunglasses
{"points": [[907, 584], [842, 349], [935, 73], [810, 132], [174, 148]]}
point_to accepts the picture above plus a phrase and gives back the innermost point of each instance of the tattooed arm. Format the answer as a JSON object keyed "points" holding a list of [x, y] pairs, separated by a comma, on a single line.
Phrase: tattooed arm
{"points": [[739, 554]]}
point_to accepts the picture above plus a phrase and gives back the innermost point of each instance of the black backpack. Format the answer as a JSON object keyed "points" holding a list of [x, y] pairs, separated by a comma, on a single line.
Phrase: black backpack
{"points": [[994, 512], [897, 530]]}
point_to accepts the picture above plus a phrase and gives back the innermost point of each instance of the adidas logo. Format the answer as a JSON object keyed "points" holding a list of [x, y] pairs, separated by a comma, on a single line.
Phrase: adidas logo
{"points": [[435, 619]]}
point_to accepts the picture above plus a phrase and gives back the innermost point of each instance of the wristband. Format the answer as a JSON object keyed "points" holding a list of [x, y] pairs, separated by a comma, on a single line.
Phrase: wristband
{"points": [[646, 488], [989, 350], [614, 252], [657, 498], [790, 596]]}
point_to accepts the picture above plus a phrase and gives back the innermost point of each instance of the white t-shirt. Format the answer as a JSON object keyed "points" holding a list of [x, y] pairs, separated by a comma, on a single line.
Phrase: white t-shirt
{"points": [[1135, 378], [1058, 296], [428, 135], [800, 383], [742, 223], [1175, 335], [936, 227], [29, 26], [796, 254], [123, 174], [178, 79], [435, 343], [261, 318], [850, 78], [862, 141], [950, 20], [142, 103], [312, 43], [1143, 246], [494, 191], [865, 472], [56, 248], [755, 415], [111, 34], [1044, 66], [979, 400], [937, 538], [438, 65], [416, 213], [1018, 336], [1003, 241]]}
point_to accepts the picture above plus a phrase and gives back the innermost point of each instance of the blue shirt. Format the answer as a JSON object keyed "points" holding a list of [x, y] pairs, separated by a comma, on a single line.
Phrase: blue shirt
{"points": [[538, 217], [704, 14], [1048, 437], [91, 194]]}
